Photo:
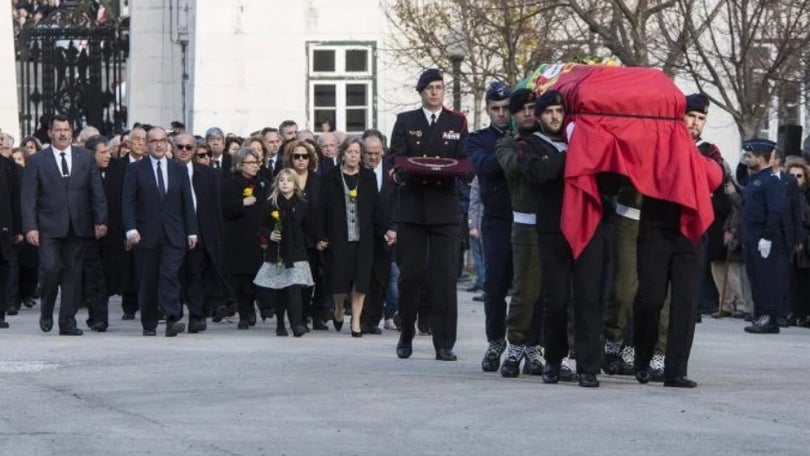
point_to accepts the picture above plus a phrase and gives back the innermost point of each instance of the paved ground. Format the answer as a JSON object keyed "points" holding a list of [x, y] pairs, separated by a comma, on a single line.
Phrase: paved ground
{"points": [[229, 392]]}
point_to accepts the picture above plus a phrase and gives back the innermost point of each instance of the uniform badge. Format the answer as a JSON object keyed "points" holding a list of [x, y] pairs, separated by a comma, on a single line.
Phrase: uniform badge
{"points": [[451, 135], [417, 133]]}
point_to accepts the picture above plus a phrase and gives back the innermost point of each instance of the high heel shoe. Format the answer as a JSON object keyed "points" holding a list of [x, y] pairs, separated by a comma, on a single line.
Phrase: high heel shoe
{"points": [[357, 333], [338, 322]]}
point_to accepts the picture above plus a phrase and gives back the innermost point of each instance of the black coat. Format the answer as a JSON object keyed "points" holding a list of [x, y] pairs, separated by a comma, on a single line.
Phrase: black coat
{"points": [[207, 185], [227, 163], [333, 207], [112, 245], [244, 254], [312, 195], [296, 227], [10, 222], [428, 201]]}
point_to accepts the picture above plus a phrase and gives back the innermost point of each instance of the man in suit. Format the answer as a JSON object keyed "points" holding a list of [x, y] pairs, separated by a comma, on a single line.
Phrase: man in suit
{"points": [[103, 270], [381, 264], [426, 217], [129, 293], [10, 225], [63, 206], [219, 159], [159, 221], [202, 277]]}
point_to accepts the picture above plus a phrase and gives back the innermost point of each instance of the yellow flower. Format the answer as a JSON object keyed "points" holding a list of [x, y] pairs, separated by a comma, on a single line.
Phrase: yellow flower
{"points": [[275, 215], [247, 192], [353, 193]]}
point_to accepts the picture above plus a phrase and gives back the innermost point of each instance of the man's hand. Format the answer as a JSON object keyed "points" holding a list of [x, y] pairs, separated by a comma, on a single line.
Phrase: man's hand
{"points": [[133, 240], [18, 238], [249, 201], [32, 237], [764, 247], [730, 189], [475, 234], [390, 237], [275, 236], [101, 231], [192, 242], [322, 245]]}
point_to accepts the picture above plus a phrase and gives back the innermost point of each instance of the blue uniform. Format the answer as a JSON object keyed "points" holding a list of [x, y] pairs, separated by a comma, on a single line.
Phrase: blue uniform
{"points": [[763, 205], [496, 227]]}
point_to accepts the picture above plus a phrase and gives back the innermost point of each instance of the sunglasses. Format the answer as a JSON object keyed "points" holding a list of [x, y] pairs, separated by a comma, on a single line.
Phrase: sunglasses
{"points": [[797, 175], [300, 156], [204, 155], [185, 147]]}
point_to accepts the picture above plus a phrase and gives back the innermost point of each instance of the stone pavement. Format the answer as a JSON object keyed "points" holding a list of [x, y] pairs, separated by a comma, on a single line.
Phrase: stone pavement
{"points": [[229, 392]]}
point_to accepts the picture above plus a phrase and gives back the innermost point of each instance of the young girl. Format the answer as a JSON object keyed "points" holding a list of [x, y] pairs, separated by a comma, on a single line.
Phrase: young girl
{"points": [[284, 225]]}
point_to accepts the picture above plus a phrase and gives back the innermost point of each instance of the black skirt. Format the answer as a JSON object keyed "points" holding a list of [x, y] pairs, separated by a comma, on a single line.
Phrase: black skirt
{"points": [[349, 270]]}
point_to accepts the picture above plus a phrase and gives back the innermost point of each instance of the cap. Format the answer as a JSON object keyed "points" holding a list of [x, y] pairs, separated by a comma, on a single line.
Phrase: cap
{"points": [[758, 145], [428, 76], [497, 91], [697, 102], [520, 98]]}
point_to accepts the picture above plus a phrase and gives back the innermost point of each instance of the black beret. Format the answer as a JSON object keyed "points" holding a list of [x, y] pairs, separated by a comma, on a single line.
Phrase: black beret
{"points": [[520, 98], [428, 76], [697, 102], [759, 146], [548, 98], [497, 91]]}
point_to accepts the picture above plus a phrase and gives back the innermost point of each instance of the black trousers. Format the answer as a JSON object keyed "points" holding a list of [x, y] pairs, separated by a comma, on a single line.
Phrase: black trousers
{"points": [[289, 301], [197, 283], [769, 278], [417, 243], [245, 293], [129, 284], [799, 292], [496, 237], [60, 263], [667, 260], [159, 272], [562, 274], [313, 299], [380, 275], [94, 284], [3, 283]]}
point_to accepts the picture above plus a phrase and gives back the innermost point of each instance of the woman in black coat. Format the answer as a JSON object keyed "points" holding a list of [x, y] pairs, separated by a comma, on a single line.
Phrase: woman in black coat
{"points": [[348, 201], [301, 157], [240, 194]]}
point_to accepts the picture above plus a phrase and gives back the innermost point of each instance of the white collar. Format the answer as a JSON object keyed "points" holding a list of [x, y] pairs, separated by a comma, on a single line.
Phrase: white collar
{"points": [[428, 113]]}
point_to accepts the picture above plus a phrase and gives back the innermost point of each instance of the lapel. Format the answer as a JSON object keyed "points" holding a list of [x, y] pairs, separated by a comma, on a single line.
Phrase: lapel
{"points": [[434, 135], [50, 164], [146, 164]]}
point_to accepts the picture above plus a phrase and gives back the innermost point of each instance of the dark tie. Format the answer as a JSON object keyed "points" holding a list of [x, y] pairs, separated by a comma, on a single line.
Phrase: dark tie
{"points": [[65, 171], [216, 164], [161, 183], [433, 119]]}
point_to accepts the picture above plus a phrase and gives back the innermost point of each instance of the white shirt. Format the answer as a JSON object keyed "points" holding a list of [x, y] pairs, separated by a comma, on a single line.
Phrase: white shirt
{"points": [[378, 173], [271, 162], [131, 158], [190, 168], [428, 113], [57, 155], [163, 170]]}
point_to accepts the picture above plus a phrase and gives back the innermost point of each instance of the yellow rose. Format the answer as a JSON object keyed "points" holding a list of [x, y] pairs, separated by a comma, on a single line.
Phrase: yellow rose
{"points": [[353, 193], [275, 215], [247, 192]]}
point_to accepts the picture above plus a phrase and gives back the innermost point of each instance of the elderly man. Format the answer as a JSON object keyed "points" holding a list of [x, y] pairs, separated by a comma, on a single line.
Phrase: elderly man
{"points": [[328, 144], [137, 145], [63, 206], [219, 159], [159, 221]]}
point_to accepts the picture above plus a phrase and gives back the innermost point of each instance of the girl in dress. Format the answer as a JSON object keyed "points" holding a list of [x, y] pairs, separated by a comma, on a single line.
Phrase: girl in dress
{"points": [[285, 221]]}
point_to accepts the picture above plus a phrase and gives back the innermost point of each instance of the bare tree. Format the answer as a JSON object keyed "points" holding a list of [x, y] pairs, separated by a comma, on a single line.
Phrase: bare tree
{"points": [[750, 56]]}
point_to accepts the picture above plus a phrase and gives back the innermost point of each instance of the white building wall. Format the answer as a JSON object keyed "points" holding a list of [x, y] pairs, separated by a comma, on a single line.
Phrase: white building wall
{"points": [[9, 103]]}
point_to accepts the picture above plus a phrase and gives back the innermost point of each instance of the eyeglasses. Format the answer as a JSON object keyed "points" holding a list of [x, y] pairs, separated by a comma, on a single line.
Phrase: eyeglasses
{"points": [[300, 156], [797, 175], [252, 162], [185, 147], [204, 155]]}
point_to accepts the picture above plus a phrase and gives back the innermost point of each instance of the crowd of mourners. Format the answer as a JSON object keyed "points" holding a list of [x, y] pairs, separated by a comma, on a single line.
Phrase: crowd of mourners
{"points": [[309, 228]]}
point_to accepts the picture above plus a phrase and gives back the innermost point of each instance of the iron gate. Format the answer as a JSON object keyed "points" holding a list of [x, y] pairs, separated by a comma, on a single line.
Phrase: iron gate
{"points": [[71, 65]]}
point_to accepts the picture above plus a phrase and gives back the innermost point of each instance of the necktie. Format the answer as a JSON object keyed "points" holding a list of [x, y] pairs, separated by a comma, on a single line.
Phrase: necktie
{"points": [[216, 164], [433, 119], [161, 182], [65, 171]]}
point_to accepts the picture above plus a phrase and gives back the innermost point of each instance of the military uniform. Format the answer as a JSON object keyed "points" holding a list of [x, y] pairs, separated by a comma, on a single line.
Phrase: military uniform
{"points": [[426, 217]]}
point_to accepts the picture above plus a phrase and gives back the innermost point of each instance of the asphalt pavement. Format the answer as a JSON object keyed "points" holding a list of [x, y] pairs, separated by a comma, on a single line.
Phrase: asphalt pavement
{"points": [[230, 392]]}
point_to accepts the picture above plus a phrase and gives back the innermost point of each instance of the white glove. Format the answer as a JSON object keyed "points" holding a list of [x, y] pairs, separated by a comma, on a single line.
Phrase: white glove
{"points": [[764, 247]]}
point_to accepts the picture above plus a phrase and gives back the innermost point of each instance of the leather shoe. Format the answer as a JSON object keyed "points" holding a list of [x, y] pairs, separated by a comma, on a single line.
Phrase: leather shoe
{"points": [[588, 380], [644, 376], [299, 330], [3, 324], [99, 327], [219, 314], [319, 325], [243, 324], [174, 328], [479, 298], [251, 318], [74, 331], [372, 330], [149, 332], [404, 346], [551, 374], [196, 326], [13, 310], [444, 354], [45, 324], [680, 382], [128, 316]]}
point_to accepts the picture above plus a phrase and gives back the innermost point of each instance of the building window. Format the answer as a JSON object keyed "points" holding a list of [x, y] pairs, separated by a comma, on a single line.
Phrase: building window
{"points": [[341, 85]]}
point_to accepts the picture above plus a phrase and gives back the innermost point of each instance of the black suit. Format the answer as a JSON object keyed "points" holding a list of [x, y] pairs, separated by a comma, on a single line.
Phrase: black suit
{"points": [[105, 258], [64, 210], [164, 225], [225, 165], [10, 223], [427, 217], [203, 279], [381, 264], [129, 285]]}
